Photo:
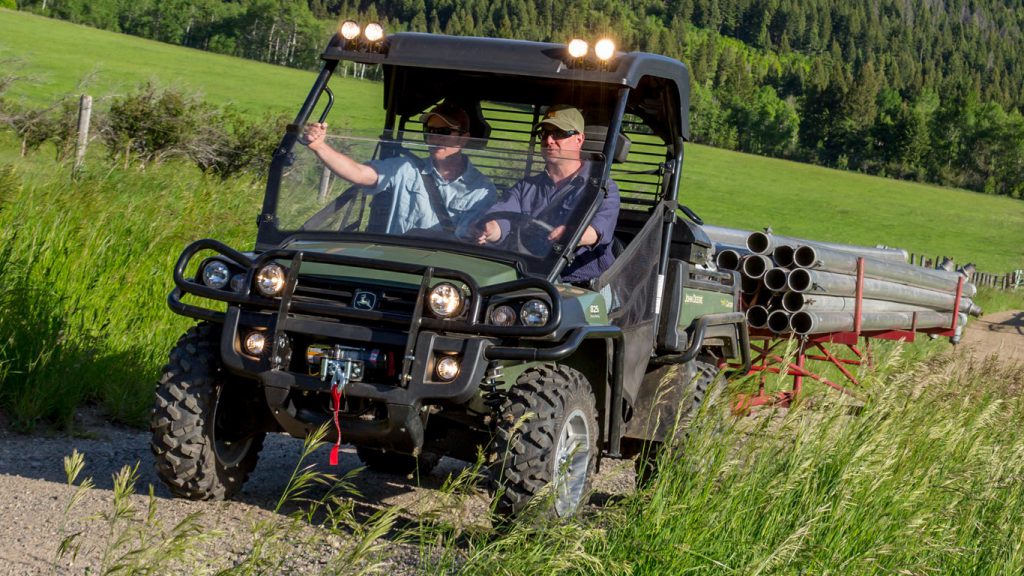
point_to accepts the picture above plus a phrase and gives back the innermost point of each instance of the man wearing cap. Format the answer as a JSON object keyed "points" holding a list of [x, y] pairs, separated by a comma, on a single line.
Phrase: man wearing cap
{"points": [[449, 182], [553, 194]]}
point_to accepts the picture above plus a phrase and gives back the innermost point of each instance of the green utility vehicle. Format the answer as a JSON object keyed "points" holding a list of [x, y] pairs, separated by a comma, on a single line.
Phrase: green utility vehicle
{"points": [[417, 345]]}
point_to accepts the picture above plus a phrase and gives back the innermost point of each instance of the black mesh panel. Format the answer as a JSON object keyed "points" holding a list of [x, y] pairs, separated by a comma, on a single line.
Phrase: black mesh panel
{"points": [[631, 282]]}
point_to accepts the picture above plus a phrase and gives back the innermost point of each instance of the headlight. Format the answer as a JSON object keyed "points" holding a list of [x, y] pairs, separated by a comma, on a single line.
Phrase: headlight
{"points": [[535, 313], [445, 300], [270, 280], [373, 32], [238, 283], [447, 368], [503, 316], [254, 343], [349, 30], [216, 274], [577, 48], [604, 49]]}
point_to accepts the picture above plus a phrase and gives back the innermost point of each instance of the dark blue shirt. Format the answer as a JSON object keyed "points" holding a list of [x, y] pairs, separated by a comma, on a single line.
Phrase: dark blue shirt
{"points": [[533, 194]]}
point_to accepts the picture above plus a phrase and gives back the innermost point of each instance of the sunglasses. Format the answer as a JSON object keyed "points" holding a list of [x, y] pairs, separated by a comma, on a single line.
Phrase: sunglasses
{"points": [[441, 130], [556, 134]]}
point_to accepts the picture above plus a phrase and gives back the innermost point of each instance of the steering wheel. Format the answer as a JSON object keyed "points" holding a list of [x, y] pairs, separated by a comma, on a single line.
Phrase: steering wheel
{"points": [[519, 223]]}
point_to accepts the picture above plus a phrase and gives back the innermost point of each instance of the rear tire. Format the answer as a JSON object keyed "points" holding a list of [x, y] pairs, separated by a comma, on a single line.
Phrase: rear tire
{"points": [[706, 386], [206, 436], [546, 436], [397, 463]]}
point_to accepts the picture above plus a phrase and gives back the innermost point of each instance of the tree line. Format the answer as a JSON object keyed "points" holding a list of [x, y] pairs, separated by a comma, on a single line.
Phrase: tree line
{"points": [[914, 89]]}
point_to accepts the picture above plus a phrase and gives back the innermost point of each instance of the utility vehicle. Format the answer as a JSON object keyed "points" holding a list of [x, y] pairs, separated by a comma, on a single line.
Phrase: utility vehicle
{"points": [[421, 345]]}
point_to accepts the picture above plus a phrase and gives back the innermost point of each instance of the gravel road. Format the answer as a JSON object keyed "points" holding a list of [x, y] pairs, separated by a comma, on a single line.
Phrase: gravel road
{"points": [[35, 494]]}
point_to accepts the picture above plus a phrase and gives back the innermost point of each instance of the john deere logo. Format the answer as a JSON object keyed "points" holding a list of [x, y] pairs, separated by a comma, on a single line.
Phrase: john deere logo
{"points": [[364, 300]]}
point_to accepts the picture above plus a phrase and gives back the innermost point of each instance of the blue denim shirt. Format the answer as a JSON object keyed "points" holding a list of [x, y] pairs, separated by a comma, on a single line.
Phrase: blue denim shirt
{"points": [[532, 195], [466, 197]]}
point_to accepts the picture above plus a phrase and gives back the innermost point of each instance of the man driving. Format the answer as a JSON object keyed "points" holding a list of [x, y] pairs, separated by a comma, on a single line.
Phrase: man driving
{"points": [[551, 195], [447, 193]]}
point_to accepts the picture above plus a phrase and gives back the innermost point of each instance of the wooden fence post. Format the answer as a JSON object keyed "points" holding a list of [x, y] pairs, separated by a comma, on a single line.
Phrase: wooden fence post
{"points": [[84, 115]]}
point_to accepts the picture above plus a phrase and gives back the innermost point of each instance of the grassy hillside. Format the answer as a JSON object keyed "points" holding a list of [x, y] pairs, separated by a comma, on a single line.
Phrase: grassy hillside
{"points": [[54, 56], [726, 188]]}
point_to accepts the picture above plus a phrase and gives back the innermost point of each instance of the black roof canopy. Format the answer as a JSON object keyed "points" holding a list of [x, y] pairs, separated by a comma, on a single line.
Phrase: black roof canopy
{"points": [[529, 72]]}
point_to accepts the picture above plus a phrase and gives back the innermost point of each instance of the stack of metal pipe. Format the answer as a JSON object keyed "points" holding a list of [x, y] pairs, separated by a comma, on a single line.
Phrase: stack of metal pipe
{"points": [[798, 286]]}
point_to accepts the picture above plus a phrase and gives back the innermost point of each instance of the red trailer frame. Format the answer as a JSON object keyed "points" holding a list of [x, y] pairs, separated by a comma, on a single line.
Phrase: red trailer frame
{"points": [[766, 359]]}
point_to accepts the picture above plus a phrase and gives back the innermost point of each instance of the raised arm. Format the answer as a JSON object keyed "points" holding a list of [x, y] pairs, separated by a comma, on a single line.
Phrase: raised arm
{"points": [[340, 164]]}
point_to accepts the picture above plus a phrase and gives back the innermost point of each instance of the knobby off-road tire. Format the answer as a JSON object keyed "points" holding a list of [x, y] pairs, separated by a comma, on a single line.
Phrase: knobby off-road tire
{"points": [[205, 435], [396, 463], [554, 445], [705, 387]]}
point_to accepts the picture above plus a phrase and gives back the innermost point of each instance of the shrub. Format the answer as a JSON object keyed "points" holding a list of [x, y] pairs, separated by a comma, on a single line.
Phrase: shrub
{"points": [[150, 125], [236, 144]]}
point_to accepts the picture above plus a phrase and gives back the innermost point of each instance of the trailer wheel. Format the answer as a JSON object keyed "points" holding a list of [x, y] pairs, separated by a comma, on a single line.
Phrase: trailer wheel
{"points": [[705, 387], [546, 436], [206, 434], [397, 463]]}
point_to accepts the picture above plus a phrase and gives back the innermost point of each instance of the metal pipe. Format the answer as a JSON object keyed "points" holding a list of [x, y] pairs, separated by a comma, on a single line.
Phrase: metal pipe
{"points": [[728, 260], [776, 279], [778, 321], [757, 316], [730, 236], [827, 322], [755, 266], [824, 259], [783, 255], [797, 302], [765, 243], [818, 282]]}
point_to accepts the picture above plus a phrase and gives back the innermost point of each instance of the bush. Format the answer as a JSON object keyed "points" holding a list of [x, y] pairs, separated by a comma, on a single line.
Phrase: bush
{"points": [[238, 145], [151, 125]]}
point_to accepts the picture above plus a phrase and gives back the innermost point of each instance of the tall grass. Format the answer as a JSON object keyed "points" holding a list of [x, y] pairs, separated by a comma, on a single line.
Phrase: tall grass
{"points": [[87, 267], [925, 478]]}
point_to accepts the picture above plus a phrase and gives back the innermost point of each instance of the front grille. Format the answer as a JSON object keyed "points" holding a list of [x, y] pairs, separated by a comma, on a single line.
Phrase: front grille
{"points": [[320, 291]]}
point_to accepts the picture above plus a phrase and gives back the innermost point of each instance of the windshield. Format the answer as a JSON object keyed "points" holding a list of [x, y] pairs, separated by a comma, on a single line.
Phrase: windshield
{"points": [[442, 191]]}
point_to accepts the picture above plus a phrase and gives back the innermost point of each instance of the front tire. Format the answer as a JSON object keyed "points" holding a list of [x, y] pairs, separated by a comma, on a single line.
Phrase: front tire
{"points": [[206, 436], [546, 436]]}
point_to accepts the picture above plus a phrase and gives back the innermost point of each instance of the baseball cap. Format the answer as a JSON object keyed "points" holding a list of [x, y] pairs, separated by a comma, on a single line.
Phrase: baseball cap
{"points": [[450, 114], [563, 117]]}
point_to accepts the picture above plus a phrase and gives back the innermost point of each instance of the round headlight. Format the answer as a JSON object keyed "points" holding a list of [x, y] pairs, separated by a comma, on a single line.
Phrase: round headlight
{"points": [[447, 368], [349, 29], [255, 342], [445, 300], [270, 280], [238, 283], [604, 49], [373, 32], [503, 316], [535, 313], [577, 48], [216, 274]]}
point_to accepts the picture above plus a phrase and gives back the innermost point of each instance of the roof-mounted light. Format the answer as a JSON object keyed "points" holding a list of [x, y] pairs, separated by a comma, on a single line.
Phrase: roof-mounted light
{"points": [[349, 30], [577, 48], [374, 32], [604, 49]]}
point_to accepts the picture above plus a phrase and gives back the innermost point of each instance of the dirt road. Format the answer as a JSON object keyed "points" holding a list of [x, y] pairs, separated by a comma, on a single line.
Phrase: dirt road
{"points": [[35, 493], [1001, 334]]}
